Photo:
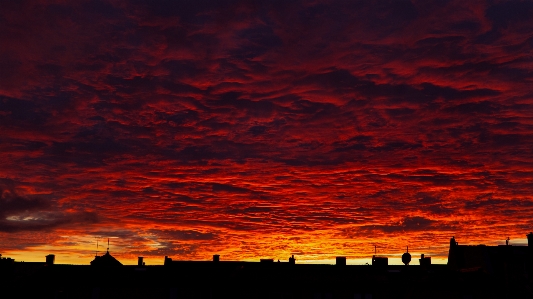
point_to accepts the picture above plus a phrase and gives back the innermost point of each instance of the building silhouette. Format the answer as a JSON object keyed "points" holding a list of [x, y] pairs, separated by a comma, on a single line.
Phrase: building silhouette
{"points": [[491, 259], [107, 260], [472, 272]]}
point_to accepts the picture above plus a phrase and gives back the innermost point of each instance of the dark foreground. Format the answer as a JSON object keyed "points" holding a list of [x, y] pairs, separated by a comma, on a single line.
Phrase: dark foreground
{"points": [[259, 280]]}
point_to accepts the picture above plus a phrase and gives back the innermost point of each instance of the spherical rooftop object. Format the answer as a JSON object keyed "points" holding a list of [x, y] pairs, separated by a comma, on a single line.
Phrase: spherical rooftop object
{"points": [[406, 258]]}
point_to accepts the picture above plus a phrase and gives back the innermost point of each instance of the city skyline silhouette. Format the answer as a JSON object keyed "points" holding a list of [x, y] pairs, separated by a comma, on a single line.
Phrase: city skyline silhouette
{"points": [[472, 271]]}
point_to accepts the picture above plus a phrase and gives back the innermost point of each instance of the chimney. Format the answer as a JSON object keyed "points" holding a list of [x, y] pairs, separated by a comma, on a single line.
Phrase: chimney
{"points": [[266, 260], [216, 258], [140, 262], [168, 261], [424, 260], [50, 259], [453, 243], [380, 261], [340, 261], [292, 260], [530, 240]]}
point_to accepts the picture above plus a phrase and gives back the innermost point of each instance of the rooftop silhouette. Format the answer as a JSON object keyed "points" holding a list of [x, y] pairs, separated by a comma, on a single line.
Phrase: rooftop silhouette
{"points": [[473, 271]]}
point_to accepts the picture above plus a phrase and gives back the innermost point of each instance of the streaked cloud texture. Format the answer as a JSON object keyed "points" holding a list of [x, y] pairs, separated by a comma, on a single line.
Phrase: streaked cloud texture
{"points": [[258, 129]]}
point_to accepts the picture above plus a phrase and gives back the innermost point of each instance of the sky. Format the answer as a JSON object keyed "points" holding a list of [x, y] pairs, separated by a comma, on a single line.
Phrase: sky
{"points": [[263, 129]]}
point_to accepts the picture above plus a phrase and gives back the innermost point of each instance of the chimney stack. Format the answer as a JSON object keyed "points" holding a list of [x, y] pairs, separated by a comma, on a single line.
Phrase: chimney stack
{"points": [[424, 260], [140, 262], [168, 261], [292, 260], [340, 261], [530, 240], [380, 261], [216, 258], [453, 243], [50, 259], [266, 260]]}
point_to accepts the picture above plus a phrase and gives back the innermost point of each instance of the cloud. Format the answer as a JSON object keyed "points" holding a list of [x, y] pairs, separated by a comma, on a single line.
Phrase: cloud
{"points": [[39, 221], [11, 202], [410, 224], [34, 213], [187, 235], [255, 128]]}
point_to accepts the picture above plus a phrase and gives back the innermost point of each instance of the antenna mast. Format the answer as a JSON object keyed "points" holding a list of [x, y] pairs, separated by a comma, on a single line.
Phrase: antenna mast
{"points": [[107, 244]]}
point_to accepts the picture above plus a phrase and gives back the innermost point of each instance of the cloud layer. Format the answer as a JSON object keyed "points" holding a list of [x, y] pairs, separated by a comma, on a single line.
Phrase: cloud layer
{"points": [[264, 128]]}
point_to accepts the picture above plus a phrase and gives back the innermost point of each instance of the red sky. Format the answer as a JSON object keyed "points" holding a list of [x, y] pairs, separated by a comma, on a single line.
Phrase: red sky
{"points": [[261, 129]]}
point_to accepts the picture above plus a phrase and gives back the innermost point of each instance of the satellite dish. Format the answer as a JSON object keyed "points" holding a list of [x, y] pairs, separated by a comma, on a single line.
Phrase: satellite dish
{"points": [[406, 257]]}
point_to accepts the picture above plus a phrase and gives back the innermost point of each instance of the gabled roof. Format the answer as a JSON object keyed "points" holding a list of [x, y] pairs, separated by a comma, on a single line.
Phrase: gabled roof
{"points": [[105, 260]]}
